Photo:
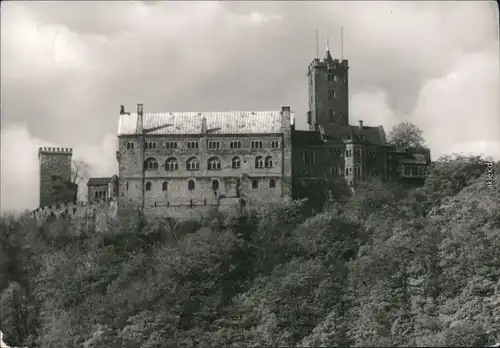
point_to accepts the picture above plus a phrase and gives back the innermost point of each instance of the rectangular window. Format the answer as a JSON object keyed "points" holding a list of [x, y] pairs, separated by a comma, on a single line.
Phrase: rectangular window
{"points": [[309, 157], [331, 94], [255, 183], [331, 115]]}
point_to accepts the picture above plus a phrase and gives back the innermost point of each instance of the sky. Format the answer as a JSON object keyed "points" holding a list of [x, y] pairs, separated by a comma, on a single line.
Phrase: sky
{"points": [[67, 67]]}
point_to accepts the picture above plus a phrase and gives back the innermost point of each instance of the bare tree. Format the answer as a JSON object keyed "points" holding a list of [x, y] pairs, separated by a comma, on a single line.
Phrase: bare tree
{"points": [[406, 134], [80, 173]]}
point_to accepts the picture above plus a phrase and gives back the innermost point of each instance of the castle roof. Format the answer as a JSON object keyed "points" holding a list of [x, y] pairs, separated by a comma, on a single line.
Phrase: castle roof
{"points": [[228, 122], [373, 135], [305, 137], [98, 181]]}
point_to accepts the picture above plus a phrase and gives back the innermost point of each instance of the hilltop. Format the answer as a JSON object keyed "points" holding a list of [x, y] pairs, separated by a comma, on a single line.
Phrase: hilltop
{"points": [[388, 266]]}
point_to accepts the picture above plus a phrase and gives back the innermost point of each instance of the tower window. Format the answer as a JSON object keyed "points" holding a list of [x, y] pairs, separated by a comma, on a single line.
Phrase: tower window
{"points": [[272, 183], [215, 184], [171, 164], [236, 162], [255, 183], [309, 157], [126, 186], [331, 115], [275, 144], [191, 185], [164, 186], [148, 186], [331, 94], [330, 77], [130, 145]]}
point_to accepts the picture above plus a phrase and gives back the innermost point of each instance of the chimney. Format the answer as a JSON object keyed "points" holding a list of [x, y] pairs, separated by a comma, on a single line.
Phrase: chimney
{"points": [[204, 128], [122, 109], [287, 121], [360, 124], [140, 119]]}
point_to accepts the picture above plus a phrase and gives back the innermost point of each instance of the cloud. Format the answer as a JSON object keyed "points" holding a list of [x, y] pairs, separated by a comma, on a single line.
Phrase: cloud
{"points": [[67, 66], [19, 177]]}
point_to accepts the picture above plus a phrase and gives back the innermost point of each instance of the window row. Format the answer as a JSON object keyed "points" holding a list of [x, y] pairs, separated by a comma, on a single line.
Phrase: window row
{"points": [[335, 152], [192, 185], [100, 194], [357, 153], [213, 163], [350, 171], [414, 170], [211, 144]]}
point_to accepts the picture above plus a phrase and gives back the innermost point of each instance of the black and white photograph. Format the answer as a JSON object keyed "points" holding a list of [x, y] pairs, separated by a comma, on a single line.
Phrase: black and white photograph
{"points": [[249, 174]]}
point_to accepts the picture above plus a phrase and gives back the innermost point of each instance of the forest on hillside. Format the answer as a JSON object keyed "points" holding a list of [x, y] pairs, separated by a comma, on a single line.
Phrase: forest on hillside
{"points": [[389, 266]]}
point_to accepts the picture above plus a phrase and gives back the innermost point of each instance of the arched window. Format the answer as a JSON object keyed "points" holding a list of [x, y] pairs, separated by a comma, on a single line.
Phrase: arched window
{"points": [[96, 195], [148, 186], [268, 162], [171, 164], [150, 145], [192, 164], [215, 184], [171, 145], [130, 145], [214, 163], [191, 185], [272, 183], [259, 162], [235, 144], [236, 162], [150, 164], [164, 186]]}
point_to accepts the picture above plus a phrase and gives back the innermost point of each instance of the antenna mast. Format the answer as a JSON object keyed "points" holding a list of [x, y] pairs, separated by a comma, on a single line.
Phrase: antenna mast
{"points": [[342, 43], [317, 43]]}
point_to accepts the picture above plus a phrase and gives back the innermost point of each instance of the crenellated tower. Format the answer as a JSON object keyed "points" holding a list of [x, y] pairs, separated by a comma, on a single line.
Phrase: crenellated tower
{"points": [[55, 176], [328, 92]]}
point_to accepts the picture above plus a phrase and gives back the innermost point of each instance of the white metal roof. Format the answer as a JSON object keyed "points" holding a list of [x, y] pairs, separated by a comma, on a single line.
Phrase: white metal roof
{"points": [[229, 122]]}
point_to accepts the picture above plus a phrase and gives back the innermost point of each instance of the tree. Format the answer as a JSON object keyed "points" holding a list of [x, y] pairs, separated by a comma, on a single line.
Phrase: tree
{"points": [[406, 134], [80, 172]]}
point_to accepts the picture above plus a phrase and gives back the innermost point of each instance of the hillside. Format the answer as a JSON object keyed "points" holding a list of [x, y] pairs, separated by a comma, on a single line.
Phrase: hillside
{"points": [[390, 266]]}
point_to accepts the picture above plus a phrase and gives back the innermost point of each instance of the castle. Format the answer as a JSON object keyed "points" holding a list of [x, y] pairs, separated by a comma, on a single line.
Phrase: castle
{"points": [[179, 163]]}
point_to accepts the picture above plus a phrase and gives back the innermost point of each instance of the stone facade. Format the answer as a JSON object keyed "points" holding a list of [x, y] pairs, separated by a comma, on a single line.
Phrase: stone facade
{"points": [[55, 176], [102, 188], [197, 159], [187, 163]]}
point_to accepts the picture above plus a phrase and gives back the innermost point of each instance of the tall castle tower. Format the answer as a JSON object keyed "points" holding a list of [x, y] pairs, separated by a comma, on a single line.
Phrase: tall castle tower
{"points": [[55, 176], [328, 92]]}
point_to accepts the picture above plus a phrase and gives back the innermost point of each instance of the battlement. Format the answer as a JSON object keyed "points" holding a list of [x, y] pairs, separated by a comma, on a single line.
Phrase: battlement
{"points": [[71, 209], [55, 150]]}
